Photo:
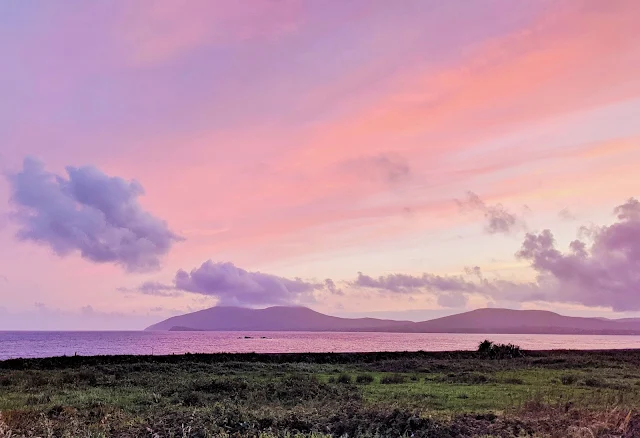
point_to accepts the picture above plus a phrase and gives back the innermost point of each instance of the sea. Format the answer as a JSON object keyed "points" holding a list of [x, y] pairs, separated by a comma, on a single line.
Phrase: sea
{"points": [[24, 344]]}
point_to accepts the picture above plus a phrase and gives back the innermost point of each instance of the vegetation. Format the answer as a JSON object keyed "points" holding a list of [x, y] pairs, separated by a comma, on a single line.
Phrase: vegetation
{"points": [[499, 351], [455, 394]]}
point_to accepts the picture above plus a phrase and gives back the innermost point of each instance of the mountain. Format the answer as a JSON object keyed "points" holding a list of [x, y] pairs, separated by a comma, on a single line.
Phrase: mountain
{"points": [[282, 318], [523, 321], [278, 318]]}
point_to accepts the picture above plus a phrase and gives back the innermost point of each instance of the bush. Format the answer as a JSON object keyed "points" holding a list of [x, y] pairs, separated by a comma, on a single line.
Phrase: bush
{"points": [[485, 347], [37, 399], [393, 379], [595, 383], [568, 379], [364, 379], [514, 381], [499, 351], [88, 376], [465, 378], [344, 378]]}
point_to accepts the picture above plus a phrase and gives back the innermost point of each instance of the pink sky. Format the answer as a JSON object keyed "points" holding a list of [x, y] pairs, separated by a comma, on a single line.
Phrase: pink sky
{"points": [[314, 140]]}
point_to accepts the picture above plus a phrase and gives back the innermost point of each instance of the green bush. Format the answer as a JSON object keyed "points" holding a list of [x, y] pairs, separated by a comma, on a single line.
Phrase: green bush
{"points": [[393, 379], [364, 379], [595, 382], [344, 378]]}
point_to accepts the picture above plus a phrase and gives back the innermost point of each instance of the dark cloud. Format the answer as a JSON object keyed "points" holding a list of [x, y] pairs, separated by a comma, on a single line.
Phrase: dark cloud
{"points": [[603, 271], [90, 212], [388, 168], [499, 219], [235, 286]]}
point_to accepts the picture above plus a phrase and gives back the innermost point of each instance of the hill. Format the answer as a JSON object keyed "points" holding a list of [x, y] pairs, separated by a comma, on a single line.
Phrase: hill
{"points": [[523, 321], [279, 318], [282, 318]]}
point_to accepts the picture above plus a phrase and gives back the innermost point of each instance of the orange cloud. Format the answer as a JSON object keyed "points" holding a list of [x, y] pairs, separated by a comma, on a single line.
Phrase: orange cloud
{"points": [[574, 58]]}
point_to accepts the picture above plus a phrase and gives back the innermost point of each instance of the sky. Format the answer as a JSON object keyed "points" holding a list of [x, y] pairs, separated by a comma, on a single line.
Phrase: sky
{"points": [[399, 159]]}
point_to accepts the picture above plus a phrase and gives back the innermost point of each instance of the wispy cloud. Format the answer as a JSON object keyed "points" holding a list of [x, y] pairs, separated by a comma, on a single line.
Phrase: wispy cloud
{"points": [[388, 168], [163, 30], [499, 219], [566, 214]]}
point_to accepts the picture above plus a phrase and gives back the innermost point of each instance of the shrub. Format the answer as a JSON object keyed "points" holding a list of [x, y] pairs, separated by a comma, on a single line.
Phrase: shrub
{"points": [[88, 376], [393, 379], [499, 351], [514, 381], [594, 382], [344, 378], [568, 379], [465, 378], [485, 346], [364, 379], [37, 399]]}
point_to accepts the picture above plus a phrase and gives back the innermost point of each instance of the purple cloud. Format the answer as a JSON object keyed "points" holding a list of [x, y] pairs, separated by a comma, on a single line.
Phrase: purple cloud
{"points": [[90, 212], [235, 286], [451, 290], [602, 272], [156, 289], [499, 219], [330, 285], [403, 283]]}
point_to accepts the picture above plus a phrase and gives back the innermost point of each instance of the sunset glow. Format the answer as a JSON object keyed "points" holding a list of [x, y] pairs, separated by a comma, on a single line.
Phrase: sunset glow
{"points": [[408, 159]]}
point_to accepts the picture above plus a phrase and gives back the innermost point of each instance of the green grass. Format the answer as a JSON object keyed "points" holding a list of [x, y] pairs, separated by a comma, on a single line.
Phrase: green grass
{"points": [[424, 394]]}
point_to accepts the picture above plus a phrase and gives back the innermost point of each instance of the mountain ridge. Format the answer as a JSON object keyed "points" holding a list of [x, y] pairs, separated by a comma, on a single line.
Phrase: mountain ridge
{"points": [[487, 320]]}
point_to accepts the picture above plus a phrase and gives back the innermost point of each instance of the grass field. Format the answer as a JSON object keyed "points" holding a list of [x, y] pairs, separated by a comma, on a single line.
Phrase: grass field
{"points": [[459, 394]]}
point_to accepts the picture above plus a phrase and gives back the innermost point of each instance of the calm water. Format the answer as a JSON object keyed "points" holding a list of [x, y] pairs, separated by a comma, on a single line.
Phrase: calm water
{"points": [[43, 344]]}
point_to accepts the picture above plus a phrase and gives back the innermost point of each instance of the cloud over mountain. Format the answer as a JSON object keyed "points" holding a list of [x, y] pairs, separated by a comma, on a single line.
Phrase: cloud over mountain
{"points": [[90, 212], [235, 286]]}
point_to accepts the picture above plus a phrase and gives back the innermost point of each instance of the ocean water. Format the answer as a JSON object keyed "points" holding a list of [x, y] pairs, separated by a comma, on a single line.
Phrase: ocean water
{"points": [[46, 344]]}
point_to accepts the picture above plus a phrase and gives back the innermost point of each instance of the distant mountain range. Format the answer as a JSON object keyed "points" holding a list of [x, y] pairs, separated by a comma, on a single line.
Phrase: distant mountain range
{"points": [[282, 318]]}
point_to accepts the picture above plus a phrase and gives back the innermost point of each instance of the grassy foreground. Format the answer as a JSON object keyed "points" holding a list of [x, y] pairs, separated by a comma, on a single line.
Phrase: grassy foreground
{"points": [[458, 394]]}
